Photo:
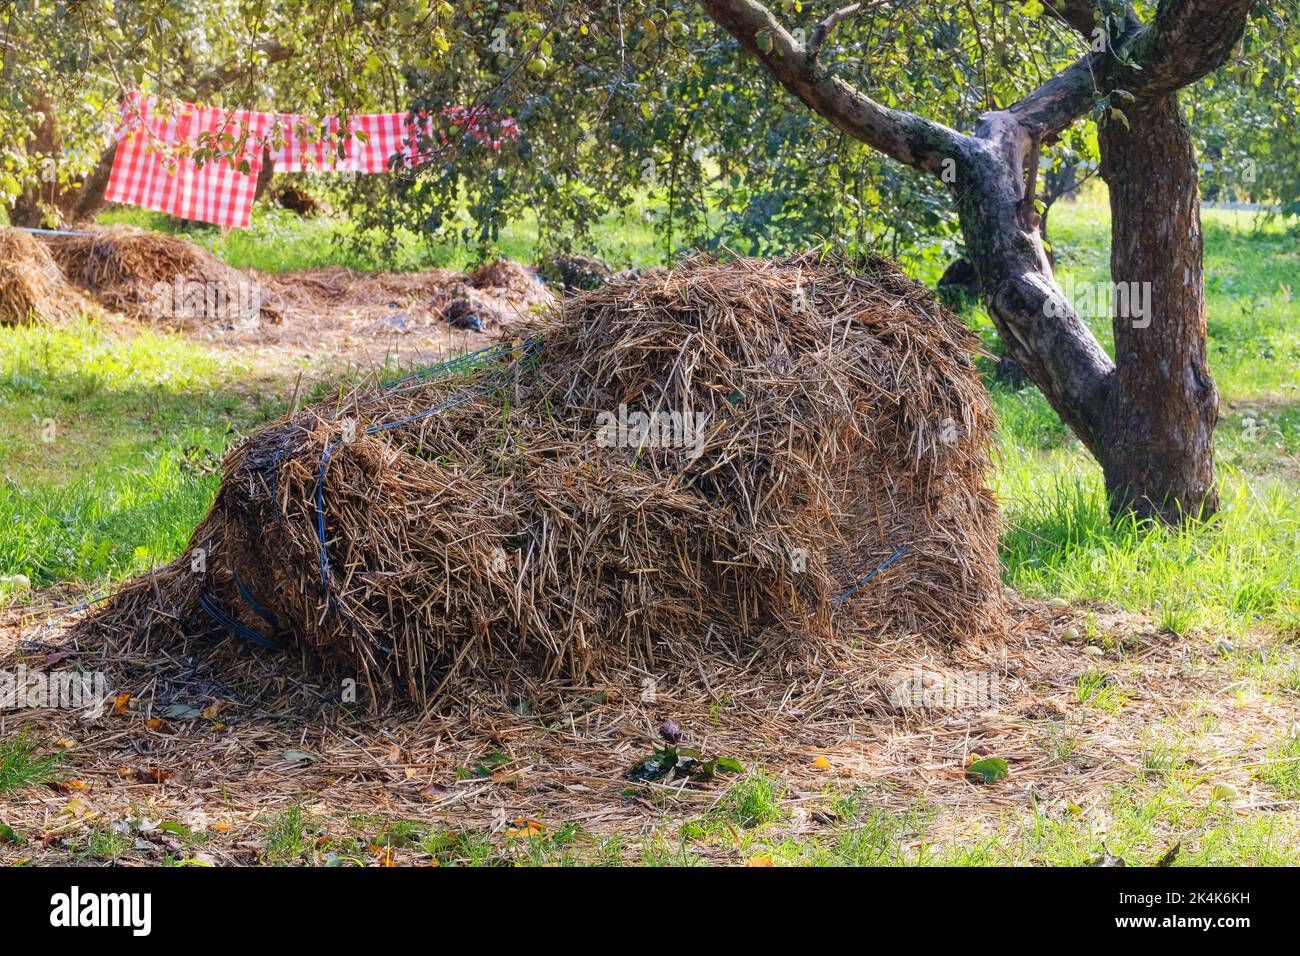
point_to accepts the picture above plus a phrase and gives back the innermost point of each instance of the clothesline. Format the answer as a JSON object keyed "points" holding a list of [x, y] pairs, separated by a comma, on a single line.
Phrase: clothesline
{"points": [[202, 162]]}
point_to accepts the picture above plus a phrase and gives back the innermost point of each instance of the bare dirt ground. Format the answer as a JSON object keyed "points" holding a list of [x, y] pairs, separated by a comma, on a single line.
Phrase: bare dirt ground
{"points": [[202, 745]]}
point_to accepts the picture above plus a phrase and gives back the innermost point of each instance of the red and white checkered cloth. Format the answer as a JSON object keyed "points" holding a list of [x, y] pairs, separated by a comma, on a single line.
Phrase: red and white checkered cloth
{"points": [[154, 164], [385, 135], [221, 190], [144, 160], [302, 145]]}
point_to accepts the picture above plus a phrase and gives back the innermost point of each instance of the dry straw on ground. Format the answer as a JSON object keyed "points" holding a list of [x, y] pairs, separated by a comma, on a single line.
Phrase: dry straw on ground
{"points": [[497, 294], [160, 278], [495, 519], [32, 289]]}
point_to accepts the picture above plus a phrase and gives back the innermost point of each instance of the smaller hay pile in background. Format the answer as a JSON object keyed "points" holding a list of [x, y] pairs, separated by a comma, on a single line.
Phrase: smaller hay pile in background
{"points": [[32, 287], [500, 517], [160, 279], [497, 295]]}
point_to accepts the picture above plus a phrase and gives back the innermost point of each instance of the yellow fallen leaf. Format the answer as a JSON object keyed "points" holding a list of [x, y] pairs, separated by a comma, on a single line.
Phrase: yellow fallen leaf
{"points": [[221, 826], [759, 861], [65, 743], [120, 703], [523, 826], [821, 763], [214, 708], [412, 772], [153, 723]]}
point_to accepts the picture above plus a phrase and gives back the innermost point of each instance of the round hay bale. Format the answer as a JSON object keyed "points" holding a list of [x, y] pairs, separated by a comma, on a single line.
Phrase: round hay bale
{"points": [[32, 289], [160, 278], [713, 455]]}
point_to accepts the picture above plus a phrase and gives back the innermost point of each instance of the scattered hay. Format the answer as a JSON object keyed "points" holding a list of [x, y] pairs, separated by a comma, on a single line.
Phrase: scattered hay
{"points": [[492, 299], [160, 278], [807, 423], [32, 289]]}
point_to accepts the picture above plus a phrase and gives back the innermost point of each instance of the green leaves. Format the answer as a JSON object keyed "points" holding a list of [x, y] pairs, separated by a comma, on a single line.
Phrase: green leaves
{"points": [[987, 770], [681, 762]]}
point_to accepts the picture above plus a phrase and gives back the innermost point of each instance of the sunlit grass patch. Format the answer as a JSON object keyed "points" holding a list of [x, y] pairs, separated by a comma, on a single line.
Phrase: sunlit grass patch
{"points": [[1281, 768], [109, 447]]}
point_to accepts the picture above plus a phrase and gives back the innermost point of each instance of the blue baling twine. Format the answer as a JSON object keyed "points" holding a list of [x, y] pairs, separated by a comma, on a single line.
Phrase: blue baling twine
{"points": [[888, 561], [51, 232], [530, 349]]}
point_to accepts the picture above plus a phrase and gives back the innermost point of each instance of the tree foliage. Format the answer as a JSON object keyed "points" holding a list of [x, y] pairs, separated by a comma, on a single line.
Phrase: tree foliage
{"points": [[624, 106]]}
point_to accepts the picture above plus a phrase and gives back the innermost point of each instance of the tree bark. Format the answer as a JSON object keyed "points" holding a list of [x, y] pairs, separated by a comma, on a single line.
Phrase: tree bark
{"points": [[1158, 450]]}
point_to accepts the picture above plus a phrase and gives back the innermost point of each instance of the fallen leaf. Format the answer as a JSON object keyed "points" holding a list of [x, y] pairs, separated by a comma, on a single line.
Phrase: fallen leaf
{"points": [[152, 775], [988, 770], [821, 763], [216, 707], [759, 861], [120, 704], [65, 742], [523, 826], [153, 723], [298, 756]]}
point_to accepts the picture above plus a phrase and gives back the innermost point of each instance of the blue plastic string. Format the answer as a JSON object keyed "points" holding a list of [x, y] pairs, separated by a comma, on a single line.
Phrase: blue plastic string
{"points": [[888, 561], [520, 354]]}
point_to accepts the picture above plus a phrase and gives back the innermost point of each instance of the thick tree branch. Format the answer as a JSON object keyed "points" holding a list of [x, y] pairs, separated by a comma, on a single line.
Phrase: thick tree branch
{"points": [[223, 76], [908, 138], [1186, 40]]}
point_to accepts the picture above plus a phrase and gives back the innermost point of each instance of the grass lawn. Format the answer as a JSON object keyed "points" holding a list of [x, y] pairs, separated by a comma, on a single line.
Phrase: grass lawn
{"points": [[110, 442]]}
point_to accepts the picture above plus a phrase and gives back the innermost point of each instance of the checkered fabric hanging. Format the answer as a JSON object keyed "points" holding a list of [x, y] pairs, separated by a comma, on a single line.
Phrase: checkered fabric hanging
{"points": [[385, 136], [307, 146], [154, 165], [221, 190], [144, 161]]}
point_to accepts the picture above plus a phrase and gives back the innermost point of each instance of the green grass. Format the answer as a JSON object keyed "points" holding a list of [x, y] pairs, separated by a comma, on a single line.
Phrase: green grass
{"points": [[1139, 823], [286, 838], [1282, 769], [20, 766], [279, 240], [109, 448]]}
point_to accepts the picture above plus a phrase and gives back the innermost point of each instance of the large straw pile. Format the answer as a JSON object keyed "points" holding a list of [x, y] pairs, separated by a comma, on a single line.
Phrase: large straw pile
{"points": [[160, 278], [493, 517], [32, 289]]}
